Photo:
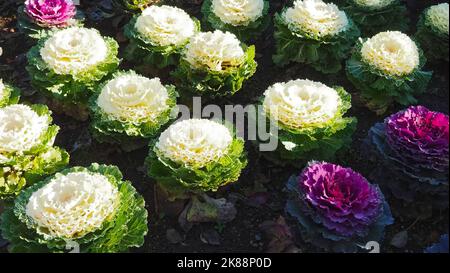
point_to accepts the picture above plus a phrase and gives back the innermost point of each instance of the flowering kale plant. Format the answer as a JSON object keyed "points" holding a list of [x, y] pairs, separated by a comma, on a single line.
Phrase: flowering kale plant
{"points": [[413, 147], [315, 33], [131, 107], [196, 155], [310, 120], [26, 147], [159, 34], [69, 64], [386, 69], [337, 209], [215, 64], [37, 17], [247, 19], [432, 31], [133, 5], [92, 207]]}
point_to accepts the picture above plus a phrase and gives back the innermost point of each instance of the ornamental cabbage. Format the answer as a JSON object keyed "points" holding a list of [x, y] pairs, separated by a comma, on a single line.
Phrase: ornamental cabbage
{"points": [[50, 12], [315, 18], [393, 53], [92, 207], [310, 120], [337, 209], [133, 5], [432, 31], [195, 155], [26, 147], [130, 106], [69, 64], [413, 148], [373, 16], [159, 34], [8, 94], [386, 69], [247, 19], [37, 17], [315, 33], [215, 63]]}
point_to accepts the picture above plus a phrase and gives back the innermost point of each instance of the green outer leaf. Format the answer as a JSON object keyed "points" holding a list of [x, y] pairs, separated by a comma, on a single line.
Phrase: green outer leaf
{"points": [[244, 33], [11, 95], [144, 51], [317, 142], [325, 54], [216, 83], [372, 20], [133, 5], [379, 89], [72, 89], [126, 228], [106, 128], [179, 179], [434, 43], [20, 170], [37, 32]]}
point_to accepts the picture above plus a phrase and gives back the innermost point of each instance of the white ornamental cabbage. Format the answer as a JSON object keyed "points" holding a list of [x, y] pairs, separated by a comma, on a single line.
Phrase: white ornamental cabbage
{"points": [[194, 142], [72, 205], [165, 25], [392, 52], [437, 16], [316, 18], [74, 50], [238, 12], [215, 51], [21, 128], [301, 104], [131, 97], [373, 4]]}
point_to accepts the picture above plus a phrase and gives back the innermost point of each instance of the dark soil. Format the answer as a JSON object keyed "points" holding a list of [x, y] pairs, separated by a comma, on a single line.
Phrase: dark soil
{"points": [[260, 191]]}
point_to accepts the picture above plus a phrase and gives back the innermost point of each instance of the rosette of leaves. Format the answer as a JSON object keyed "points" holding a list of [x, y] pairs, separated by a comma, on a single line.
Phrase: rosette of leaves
{"points": [[37, 18], [90, 209], [27, 153], [134, 6], [377, 16], [215, 64], [323, 42], [195, 156], [412, 147], [69, 64], [131, 108], [336, 208], [159, 39], [432, 32], [387, 68], [309, 121], [8, 94], [247, 19]]}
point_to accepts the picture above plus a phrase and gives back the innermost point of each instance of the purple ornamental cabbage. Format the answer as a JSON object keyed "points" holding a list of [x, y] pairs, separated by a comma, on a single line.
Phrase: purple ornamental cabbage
{"points": [[337, 208], [344, 199], [50, 13], [420, 137], [412, 147]]}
